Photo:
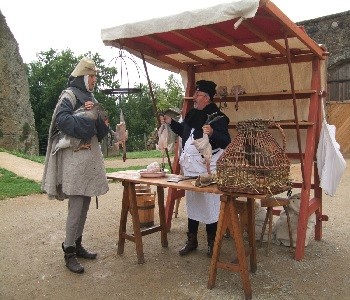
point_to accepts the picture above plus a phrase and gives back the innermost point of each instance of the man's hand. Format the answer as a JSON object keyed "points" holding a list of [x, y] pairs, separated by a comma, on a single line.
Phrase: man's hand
{"points": [[207, 129], [88, 105], [165, 119]]}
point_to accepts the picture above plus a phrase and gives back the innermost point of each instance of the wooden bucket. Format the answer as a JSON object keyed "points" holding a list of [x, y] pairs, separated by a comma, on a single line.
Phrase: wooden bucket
{"points": [[145, 207], [142, 188]]}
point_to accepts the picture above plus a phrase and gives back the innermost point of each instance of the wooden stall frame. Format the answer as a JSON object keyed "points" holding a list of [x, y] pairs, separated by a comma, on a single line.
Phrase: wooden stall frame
{"points": [[182, 50]]}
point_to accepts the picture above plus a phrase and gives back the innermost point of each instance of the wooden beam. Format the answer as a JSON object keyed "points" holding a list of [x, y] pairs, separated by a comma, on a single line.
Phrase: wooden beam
{"points": [[291, 27], [179, 51], [254, 63], [252, 28], [138, 48], [227, 38], [193, 40]]}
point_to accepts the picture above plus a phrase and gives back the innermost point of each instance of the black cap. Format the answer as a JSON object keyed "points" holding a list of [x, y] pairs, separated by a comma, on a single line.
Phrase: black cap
{"points": [[206, 86]]}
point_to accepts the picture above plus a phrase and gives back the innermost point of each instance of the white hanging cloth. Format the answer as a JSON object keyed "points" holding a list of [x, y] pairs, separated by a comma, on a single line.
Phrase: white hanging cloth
{"points": [[330, 161]]}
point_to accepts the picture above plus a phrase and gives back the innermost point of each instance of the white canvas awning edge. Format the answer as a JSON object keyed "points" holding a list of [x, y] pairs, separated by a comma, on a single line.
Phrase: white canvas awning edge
{"points": [[188, 19]]}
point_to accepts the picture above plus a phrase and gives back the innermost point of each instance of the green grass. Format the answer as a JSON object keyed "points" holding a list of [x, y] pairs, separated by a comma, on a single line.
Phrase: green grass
{"points": [[129, 155], [110, 170], [12, 186], [137, 154]]}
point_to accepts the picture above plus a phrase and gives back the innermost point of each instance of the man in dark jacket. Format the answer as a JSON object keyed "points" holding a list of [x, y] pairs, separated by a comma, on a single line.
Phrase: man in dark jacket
{"points": [[201, 207]]}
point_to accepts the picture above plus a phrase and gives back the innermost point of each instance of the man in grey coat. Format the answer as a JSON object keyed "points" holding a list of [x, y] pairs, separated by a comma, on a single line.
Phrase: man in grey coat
{"points": [[76, 174]]}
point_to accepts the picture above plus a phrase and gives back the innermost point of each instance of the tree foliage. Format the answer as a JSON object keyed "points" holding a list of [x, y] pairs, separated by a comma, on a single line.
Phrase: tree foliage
{"points": [[139, 117], [171, 96], [48, 76]]}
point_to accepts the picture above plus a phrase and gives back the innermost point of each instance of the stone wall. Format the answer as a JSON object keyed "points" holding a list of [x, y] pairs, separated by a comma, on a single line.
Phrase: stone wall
{"points": [[17, 125], [333, 31]]}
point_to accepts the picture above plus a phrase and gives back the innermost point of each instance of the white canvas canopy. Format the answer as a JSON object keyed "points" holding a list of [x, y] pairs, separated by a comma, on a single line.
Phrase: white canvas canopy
{"points": [[211, 36], [184, 20], [236, 43], [188, 19]]}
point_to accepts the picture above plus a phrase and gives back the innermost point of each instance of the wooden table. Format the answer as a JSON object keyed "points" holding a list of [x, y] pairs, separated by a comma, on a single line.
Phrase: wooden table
{"points": [[228, 219]]}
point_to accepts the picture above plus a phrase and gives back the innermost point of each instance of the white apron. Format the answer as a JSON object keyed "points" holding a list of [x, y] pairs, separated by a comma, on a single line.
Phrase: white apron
{"points": [[202, 207]]}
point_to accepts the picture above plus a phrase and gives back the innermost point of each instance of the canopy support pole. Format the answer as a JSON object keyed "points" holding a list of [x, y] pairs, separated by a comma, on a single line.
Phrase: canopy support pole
{"points": [[155, 107], [291, 78]]}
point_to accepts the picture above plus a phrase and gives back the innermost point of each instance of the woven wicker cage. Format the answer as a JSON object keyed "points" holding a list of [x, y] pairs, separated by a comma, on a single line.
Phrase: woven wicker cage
{"points": [[254, 163]]}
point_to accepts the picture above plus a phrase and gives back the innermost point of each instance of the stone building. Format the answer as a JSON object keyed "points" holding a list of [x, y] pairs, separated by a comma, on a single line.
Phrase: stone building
{"points": [[17, 125], [333, 31]]}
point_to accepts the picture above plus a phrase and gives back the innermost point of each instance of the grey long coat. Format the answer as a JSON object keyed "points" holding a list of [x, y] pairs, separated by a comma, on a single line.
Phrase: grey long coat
{"points": [[73, 173]]}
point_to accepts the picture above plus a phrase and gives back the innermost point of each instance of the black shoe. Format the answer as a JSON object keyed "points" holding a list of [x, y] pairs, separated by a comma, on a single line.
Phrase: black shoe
{"points": [[70, 258], [191, 244], [72, 263], [82, 252], [211, 241]]}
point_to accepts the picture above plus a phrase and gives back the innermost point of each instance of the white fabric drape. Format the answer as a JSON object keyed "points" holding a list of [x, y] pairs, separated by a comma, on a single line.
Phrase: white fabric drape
{"points": [[330, 161]]}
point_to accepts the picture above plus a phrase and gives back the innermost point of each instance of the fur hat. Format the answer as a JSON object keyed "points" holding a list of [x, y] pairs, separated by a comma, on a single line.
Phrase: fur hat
{"points": [[206, 86], [86, 66]]}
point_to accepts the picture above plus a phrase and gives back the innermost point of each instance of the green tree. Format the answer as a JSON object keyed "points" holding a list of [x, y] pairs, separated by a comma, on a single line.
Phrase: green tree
{"points": [[139, 117], [171, 96], [138, 110], [48, 76]]}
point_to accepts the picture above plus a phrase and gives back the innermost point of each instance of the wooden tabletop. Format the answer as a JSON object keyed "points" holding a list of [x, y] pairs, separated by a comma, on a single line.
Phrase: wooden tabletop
{"points": [[188, 184], [134, 176]]}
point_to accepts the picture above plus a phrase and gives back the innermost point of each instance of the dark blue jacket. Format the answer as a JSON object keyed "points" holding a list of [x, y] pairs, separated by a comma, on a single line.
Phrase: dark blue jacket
{"points": [[80, 127]]}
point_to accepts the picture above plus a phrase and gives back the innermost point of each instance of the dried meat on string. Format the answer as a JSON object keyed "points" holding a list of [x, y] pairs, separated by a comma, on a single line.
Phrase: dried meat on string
{"points": [[121, 135]]}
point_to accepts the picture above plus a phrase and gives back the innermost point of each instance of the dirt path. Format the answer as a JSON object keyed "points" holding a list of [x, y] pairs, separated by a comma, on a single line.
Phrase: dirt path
{"points": [[22, 167], [33, 170], [32, 266]]}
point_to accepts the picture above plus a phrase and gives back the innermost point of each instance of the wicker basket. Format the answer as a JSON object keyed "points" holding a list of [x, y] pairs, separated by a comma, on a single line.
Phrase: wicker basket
{"points": [[254, 163]]}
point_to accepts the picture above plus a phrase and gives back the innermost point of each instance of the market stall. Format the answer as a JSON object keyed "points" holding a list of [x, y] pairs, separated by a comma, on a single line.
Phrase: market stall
{"points": [[268, 68]]}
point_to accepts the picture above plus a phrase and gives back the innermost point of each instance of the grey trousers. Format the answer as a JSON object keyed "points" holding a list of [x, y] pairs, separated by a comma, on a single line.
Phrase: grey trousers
{"points": [[78, 207]]}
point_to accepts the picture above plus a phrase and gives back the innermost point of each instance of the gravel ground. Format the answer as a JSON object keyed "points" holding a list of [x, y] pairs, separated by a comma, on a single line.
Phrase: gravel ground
{"points": [[32, 265]]}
